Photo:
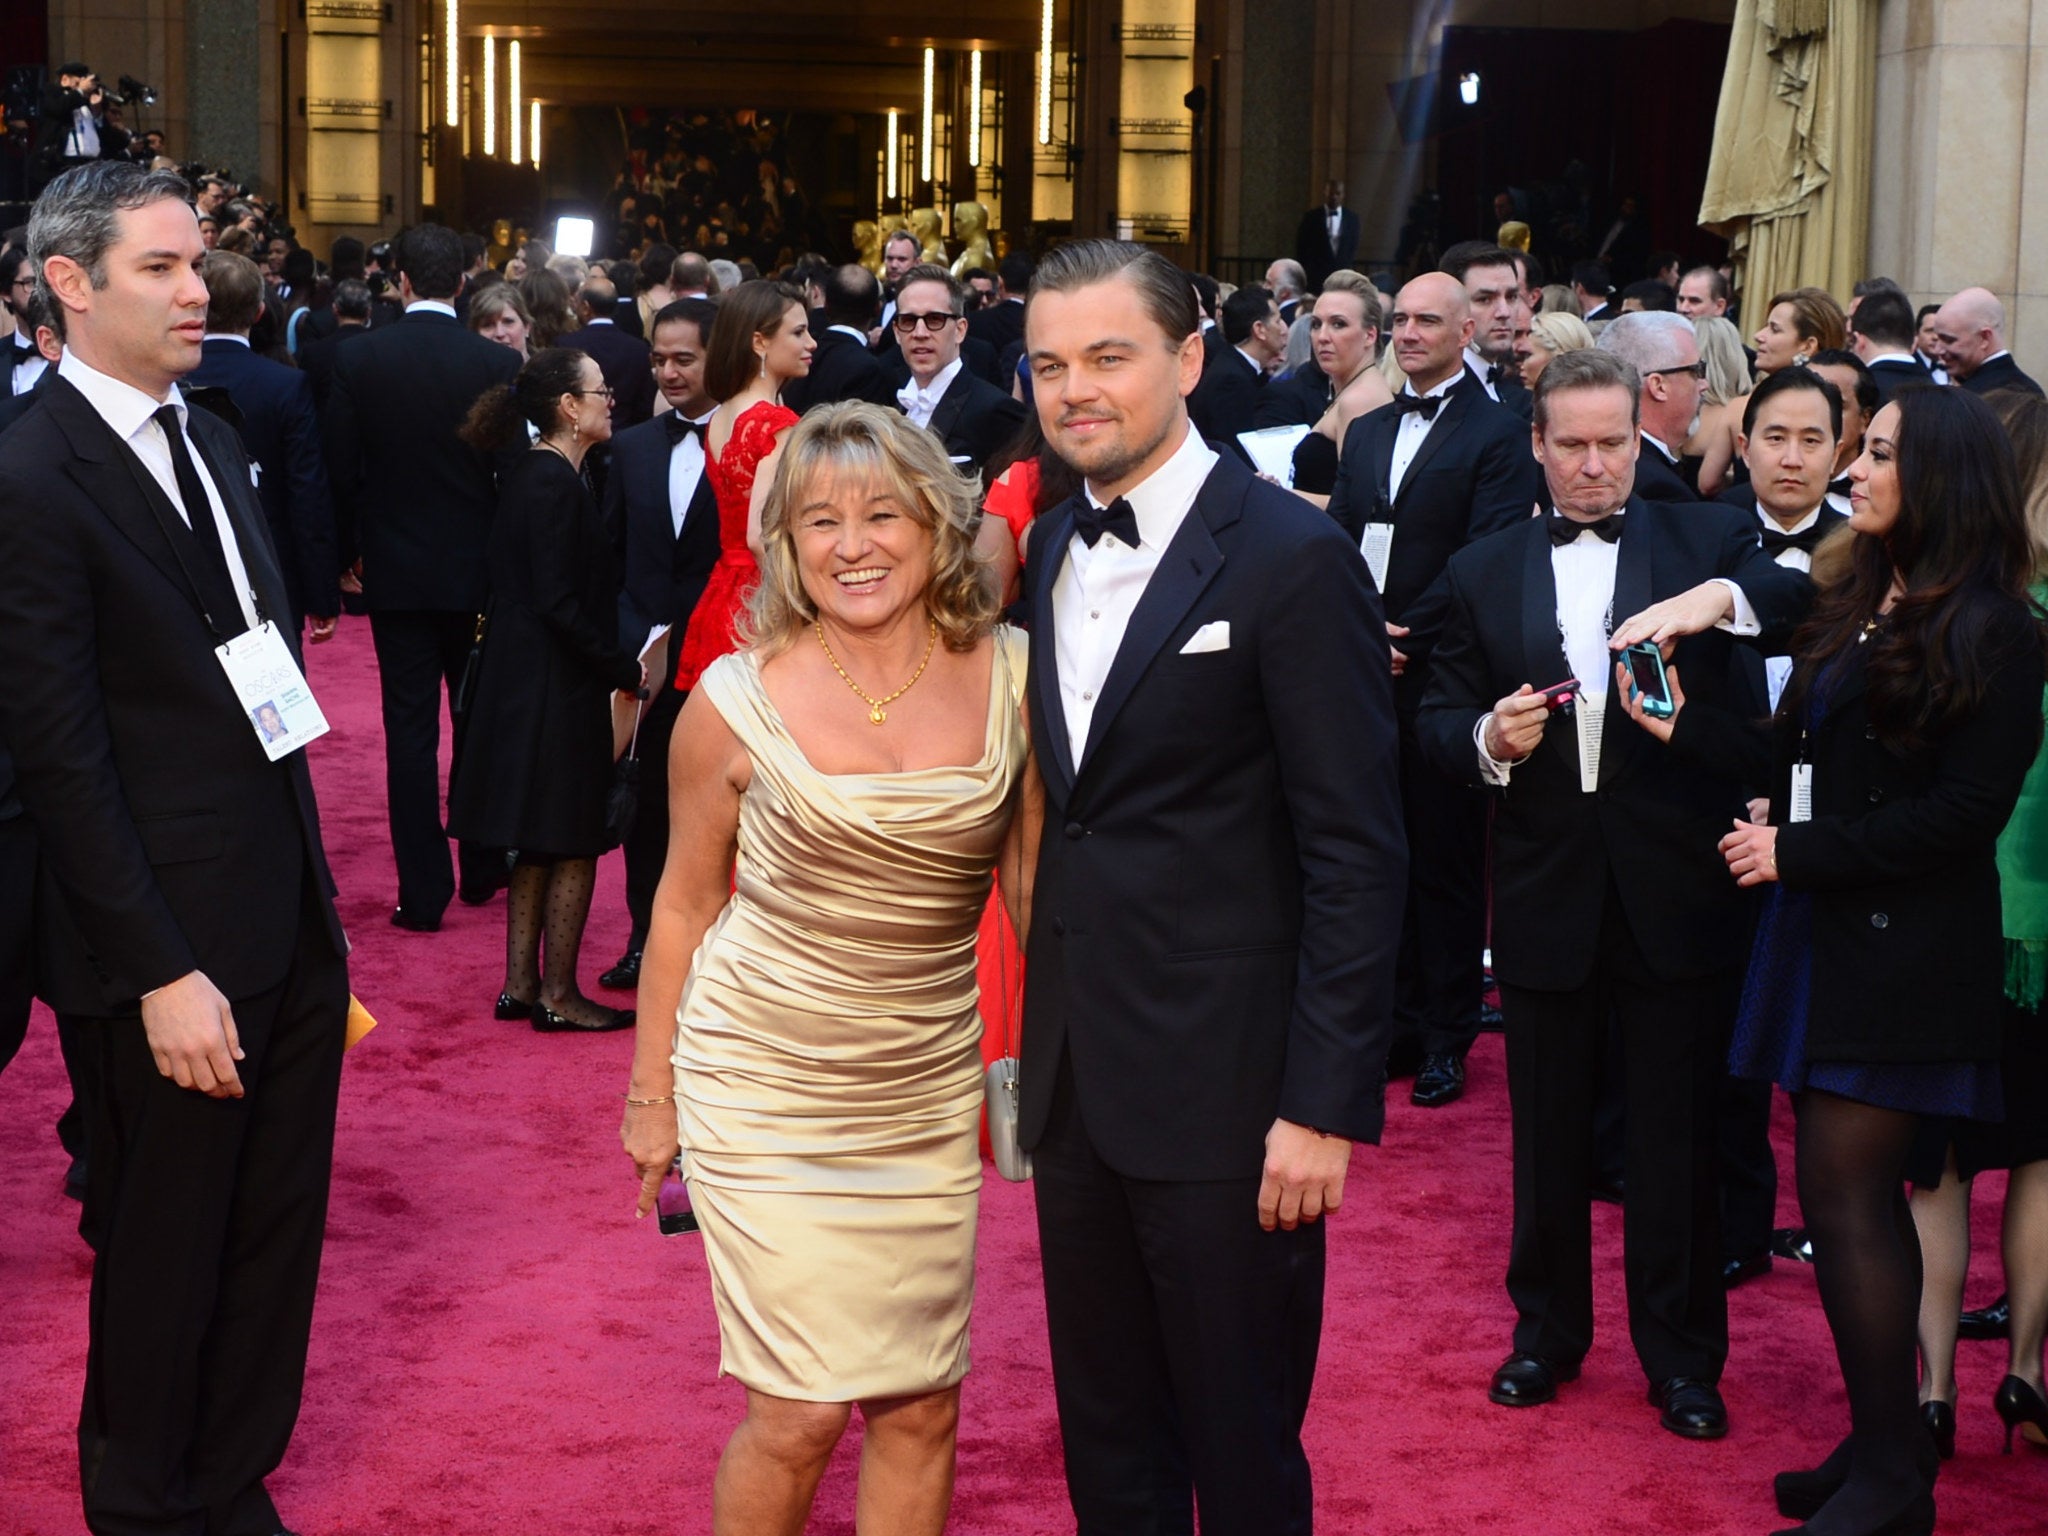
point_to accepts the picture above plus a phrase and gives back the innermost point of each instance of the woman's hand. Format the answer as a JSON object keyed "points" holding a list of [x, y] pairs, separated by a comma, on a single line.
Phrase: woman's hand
{"points": [[1751, 852], [649, 1137], [1693, 612], [1657, 726]]}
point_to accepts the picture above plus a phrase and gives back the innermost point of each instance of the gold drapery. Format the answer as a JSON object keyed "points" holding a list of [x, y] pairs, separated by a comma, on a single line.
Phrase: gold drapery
{"points": [[1789, 183]]}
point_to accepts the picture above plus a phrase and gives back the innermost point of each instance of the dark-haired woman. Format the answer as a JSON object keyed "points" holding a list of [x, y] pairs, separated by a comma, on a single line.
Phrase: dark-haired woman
{"points": [[536, 762], [1874, 990]]}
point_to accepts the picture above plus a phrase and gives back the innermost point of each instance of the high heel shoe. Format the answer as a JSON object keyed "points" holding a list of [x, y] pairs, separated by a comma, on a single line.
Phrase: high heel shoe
{"points": [[1801, 1494], [549, 1022], [510, 1007], [1940, 1419], [1916, 1519], [2019, 1404]]}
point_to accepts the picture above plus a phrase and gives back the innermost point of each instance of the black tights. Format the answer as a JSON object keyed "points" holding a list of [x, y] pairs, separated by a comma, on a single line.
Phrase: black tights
{"points": [[554, 896], [1866, 1259]]}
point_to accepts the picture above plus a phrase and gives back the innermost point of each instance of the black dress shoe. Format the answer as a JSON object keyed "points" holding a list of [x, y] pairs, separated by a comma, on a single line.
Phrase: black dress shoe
{"points": [[1525, 1380], [475, 892], [510, 1007], [624, 976], [1607, 1191], [1439, 1081], [1992, 1322], [549, 1022], [74, 1180], [1750, 1267], [1690, 1407], [1404, 1058], [415, 922], [1793, 1244], [1940, 1419], [1801, 1494]]}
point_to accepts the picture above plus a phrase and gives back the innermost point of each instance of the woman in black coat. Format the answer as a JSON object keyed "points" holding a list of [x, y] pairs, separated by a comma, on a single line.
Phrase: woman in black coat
{"points": [[1875, 986], [536, 760]]}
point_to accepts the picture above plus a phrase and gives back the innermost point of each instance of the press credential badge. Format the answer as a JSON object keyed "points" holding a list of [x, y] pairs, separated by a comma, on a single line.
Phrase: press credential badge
{"points": [[281, 708]]}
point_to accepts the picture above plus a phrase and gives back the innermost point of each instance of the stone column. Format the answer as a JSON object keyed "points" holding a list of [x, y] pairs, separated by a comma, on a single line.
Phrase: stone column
{"points": [[223, 70]]}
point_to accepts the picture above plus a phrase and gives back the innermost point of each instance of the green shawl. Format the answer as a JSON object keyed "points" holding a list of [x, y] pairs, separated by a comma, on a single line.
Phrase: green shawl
{"points": [[2023, 881]]}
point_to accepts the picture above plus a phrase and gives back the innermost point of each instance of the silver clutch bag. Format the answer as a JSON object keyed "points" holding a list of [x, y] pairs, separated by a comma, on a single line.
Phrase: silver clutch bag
{"points": [[1012, 1161]]}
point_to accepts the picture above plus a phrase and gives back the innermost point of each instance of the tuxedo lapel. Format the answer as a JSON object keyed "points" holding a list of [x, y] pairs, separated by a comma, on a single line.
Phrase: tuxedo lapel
{"points": [[1379, 447], [115, 481], [946, 414], [1051, 559], [252, 530], [1449, 417], [1542, 640]]}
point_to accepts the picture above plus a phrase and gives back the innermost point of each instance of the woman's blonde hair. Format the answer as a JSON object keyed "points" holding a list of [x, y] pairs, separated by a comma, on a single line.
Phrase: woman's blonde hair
{"points": [[863, 439], [1721, 350], [1558, 333]]}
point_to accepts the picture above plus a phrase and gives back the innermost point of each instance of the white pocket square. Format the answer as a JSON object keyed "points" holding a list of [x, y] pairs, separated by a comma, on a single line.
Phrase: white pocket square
{"points": [[1210, 637]]}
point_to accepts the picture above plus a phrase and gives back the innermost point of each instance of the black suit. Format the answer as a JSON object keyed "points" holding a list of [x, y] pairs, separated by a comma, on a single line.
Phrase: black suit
{"points": [[1472, 474], [12, 355], [17, 845], [1658, 479], [841, 369], [171, 845], [627, 365], [1318, 254], [1610, 905], [980, 358], [282, 435], [1218, 895], [665, 572], [417, 503], [1892, 374], [974, 420], [316, 359], [1226, 401], [1296, 399], [1001, 325], [2000, 372]]}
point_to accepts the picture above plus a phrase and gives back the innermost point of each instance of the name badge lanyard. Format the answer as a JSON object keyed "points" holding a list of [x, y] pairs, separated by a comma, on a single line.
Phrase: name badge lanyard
{"points": [[172, 531], [1801, 808]]}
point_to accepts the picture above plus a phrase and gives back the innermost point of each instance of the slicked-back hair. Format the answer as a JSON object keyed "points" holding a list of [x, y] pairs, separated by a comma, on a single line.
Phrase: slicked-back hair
{"points": [[698, 312], [352, 299], [1885, 319], [234, 292], [932, 272], [1245, 309], [78, 214], [1589, 368], [1467, 254], [1168, 296], [430, 256], [1785, 380], [1868, 396]]}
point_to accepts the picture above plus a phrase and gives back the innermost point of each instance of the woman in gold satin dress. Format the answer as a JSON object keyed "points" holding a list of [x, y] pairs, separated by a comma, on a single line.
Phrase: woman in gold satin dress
{"points": [[809, 1035]]}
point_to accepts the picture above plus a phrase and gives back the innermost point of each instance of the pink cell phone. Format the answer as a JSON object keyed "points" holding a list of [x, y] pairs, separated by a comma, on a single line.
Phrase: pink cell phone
{"points": [[1557, 695]]}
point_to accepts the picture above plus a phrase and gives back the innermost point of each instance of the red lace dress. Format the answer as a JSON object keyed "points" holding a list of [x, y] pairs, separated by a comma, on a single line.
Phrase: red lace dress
{"points": [[710, 633]]}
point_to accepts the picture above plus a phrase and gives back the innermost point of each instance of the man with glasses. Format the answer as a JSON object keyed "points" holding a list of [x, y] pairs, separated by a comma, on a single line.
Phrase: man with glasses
{"points": [[22, 363], [970, 415], [1665, 354]]}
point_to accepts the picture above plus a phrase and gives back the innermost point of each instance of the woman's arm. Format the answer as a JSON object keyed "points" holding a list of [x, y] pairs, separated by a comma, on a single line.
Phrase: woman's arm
{"points": [[996, 544], [707, 771], [764, 479], [1018, 867], [1720, 454]]}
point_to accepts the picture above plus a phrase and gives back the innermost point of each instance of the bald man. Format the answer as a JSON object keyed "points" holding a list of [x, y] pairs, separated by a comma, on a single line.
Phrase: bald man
{"points": [[623, 358], [1420, 479], [1970, 330]]}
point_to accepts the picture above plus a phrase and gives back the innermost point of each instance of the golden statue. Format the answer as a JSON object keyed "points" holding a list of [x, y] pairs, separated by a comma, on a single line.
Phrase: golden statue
{"points": [[970, 223], [501, 247], [924, 223], [867, 245]]}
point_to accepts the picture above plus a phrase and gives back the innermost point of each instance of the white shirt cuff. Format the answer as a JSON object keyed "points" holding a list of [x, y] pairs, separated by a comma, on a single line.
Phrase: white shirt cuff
{"points": [[1491, 768], [1744, 621]]}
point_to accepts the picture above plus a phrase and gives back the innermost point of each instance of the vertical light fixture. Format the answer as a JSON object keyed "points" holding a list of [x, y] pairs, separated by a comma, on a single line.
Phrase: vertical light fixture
{"points": [[924, 142], [514, 118], [1045, 72], [490, 95], [533, 110], [974, 109], [451, 65], [890, 154]]}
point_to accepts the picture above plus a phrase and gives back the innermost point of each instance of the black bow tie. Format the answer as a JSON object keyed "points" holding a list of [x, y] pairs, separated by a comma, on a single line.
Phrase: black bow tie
{"points": [[1496, 374], [1424, 406], [1775, 541], [1092, 522], [1563, 530], [680, 427], [1839, 487]]}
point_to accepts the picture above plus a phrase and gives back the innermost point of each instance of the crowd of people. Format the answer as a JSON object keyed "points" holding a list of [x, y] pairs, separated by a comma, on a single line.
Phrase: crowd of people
{"points": [[1299, 661]]}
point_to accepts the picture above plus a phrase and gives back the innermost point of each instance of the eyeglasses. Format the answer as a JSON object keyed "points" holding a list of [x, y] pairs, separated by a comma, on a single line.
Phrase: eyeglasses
{"points": [[934, 323], [1697, 370], [602, 389]]}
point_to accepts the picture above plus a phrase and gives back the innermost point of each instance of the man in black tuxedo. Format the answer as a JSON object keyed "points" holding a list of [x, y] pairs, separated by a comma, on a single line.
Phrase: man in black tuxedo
{"points": [[1970, 330], [282, 435], [1288, 284], [69, 125], [1218, 896], [1493, 287], [185, 924], [1609, 898], [1295, 399], [663, 518], [36, 314], [21, 362], [843, 368], [971, 416], [1001, 324], [1665, 354], [1881, 333], [1226, 401], [1418, 480], [621, 357], [351, 311], [1592, 286], [1327, 238], [415, 507]]}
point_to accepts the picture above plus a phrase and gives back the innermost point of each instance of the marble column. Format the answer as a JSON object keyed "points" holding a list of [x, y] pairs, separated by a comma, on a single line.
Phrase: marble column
{"points": [[223, 64]]}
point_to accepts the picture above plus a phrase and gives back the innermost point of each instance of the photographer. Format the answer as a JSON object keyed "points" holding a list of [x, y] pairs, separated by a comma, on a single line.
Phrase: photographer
{"points": [[68, 129]]}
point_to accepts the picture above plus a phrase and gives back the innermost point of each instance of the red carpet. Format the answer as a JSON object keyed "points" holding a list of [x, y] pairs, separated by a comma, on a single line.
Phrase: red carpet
{"points": [[501, 1349]]}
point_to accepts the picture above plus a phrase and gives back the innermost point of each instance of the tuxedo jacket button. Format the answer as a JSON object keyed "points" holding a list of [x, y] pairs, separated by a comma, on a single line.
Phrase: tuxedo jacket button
{"points": [[1879, 920], [1076, 831], [1059, 926]]}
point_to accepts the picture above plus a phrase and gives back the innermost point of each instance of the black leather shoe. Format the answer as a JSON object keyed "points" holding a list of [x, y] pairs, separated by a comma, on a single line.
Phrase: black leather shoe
{"points": [[549, 1022], [1801, 1494], [74, 1180], [415, 922], [624, 976], [1607, 1191], [510, 1007], [1439, 1081], [1992, 1322], [1792, 1243], [1735, 1272], [1404, 1058], [1525, 1380], [1690, 1407], [1940, 1419]]}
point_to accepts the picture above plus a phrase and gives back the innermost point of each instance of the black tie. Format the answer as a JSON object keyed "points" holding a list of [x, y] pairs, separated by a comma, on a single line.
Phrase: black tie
{"points": [[1092, 522], [680, 427], [1839, 487], [1496, 375], [1776, 542], [1424, 406], [216, 586], [1563, 530]]}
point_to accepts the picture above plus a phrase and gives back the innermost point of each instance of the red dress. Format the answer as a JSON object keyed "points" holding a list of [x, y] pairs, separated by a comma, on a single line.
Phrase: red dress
{"points": [[710, 632]]}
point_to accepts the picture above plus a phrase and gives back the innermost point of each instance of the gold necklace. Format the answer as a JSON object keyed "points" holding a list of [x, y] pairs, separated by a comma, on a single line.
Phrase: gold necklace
{"points": [[876, 714]]}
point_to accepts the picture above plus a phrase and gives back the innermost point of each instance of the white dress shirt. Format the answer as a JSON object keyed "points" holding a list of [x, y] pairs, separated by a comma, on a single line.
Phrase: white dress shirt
{"points": [[1778, 669], [1658, 443], [240, 341], [131, 414], [431, 306], [686, 470], [1335, 220], [1098, 589], [1480, 367], [84, 140], [1413, 429], [847, 330], [919, 401]]}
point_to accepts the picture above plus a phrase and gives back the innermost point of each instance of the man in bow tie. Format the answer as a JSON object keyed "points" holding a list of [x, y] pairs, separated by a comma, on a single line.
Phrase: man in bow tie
{"points": [[1217, 902], [1493, 287], [1665, 353], [1607, 898], [943, 396], [22, 362]]}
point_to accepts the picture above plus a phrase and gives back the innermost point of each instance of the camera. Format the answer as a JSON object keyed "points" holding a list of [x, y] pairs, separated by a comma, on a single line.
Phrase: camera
{"points": [[131, 89]]}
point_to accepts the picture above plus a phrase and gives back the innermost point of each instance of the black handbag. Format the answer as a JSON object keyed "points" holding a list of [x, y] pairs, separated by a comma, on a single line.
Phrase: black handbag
{"points": [[465, 691], [622, 800]]}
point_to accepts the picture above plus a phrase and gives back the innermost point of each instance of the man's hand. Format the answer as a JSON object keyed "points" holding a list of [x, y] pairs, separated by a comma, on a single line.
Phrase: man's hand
{"points": [[1398, 632], [319, 630], [1517, 725], [1751, 852], [1693, 612], [191, 1033], [1304, 1175]]}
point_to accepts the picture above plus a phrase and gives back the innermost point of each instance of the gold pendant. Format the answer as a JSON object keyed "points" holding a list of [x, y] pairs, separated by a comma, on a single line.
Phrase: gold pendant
{"points": [[875, 715]]}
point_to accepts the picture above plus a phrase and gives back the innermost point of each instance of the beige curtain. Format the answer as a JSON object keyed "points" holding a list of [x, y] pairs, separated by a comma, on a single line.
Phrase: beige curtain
{"points": [[1789, 183]]}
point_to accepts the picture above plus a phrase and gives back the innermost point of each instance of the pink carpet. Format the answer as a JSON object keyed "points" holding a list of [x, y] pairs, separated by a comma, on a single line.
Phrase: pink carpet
{"points": [[500, 1348]]}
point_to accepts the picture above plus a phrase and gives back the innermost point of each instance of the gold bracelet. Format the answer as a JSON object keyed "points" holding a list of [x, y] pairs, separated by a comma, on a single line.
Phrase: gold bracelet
{"points": [[645, 1103]]}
